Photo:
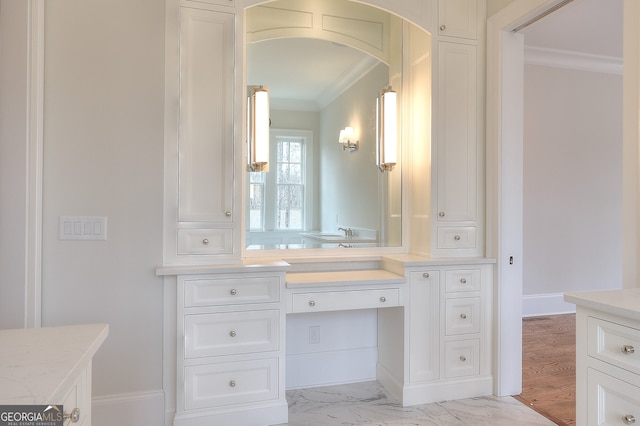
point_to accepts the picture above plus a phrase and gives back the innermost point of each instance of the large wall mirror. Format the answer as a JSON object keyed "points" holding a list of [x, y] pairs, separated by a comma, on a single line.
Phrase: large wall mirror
{"points": [[324, 64]]}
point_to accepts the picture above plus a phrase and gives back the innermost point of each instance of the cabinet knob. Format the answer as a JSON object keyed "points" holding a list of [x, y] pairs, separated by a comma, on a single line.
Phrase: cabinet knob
{"points": [[73, 417], [457, 238], [383, 299], [443, 27], [312, 303], [463, 358], [425, 275], [628, 419], [628, 349], [232, 384], [205, 241], [228, 214], [232, 333], [233, 292], [463, 316], [441, 214], [463, 280]]}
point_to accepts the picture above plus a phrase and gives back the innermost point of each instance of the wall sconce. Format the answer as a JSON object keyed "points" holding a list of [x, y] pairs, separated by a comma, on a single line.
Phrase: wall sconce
{"points": [[347, 139], [258, 123], [387, 130]]}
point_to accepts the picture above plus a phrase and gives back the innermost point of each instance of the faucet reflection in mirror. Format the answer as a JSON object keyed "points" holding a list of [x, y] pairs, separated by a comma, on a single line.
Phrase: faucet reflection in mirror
{"points": [[347, 139], [258, 129], [387, 130]]}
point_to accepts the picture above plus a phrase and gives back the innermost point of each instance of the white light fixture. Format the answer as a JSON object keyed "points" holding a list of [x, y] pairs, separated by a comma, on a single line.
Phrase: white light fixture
{"points": [[258, 129], [387, 130], [348, 139]]}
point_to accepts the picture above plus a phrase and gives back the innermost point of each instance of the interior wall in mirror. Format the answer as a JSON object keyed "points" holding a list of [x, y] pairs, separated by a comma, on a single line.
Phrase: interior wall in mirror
{"points": [[325, 63]]}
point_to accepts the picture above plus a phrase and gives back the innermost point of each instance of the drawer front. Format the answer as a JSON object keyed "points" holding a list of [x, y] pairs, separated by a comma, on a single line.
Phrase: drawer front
{"points": [[611, 401], [462, 316], [230, 291], [231, 333], [205, 241], [462, 358], [614, 343], [214, 385], [344, 300], [460, 280], [79, 397], [456, 237]]}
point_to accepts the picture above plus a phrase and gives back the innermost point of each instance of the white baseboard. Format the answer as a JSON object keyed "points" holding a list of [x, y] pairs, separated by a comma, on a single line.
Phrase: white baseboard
{"points": [[331, 368], [545, 304], [131, 409]]}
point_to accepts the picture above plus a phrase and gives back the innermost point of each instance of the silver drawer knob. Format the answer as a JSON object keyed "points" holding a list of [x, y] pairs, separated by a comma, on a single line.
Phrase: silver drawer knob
{"points": [[383, 299], [232, 384], [463, 358], [628, 419], [228, 214], [463, 280], [232, 333], [457, 238], [443, 27], [425, 275], [312, 303], [205, 241], [74, 416], [628, 349], [233, 292], [463, 316], [441, 214]]}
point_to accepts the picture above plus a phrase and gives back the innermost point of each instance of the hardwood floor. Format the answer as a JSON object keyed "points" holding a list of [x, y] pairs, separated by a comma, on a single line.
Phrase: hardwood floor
{"points": [[549, 367]]}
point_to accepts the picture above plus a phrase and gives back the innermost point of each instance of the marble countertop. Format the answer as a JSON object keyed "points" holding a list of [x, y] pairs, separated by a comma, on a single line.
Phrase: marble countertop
{"points": [[624, 302], [364, 277], [39, 365]]}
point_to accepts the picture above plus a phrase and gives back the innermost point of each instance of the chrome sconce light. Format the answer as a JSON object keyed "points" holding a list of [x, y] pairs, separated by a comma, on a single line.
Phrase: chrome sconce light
{"points": [[387, 130], [347, 139], [258, 123]]}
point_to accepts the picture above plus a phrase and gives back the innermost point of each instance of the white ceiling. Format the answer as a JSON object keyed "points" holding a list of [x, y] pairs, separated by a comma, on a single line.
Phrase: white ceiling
{"points": [[584, 26]]}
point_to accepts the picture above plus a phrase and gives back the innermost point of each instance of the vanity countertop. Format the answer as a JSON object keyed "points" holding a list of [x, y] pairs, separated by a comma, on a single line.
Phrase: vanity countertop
{"points": [[38, 365], [624, 302], [333, 278]]}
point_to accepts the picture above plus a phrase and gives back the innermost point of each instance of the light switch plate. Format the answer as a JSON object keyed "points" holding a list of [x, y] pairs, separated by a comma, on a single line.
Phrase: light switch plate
{"points": [[83, 228]]}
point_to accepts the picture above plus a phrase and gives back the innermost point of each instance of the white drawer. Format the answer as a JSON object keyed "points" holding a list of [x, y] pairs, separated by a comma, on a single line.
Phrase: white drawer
{"points": [[460, 280], [230, 291], [231, 333], [456, 237], [344, 300], [205, 241], [214, 385], [462, 315], [614, 343], [462, 358], [611, 401], [79, 398]]}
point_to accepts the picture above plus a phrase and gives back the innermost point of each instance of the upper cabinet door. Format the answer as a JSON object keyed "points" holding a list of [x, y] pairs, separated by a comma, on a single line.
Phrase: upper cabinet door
{"points": [[458, 18], [205, 163], [457, 169]]}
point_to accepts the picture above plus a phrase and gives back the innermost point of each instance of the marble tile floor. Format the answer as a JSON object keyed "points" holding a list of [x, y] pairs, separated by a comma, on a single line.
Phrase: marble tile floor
{"points": [[368, 404]]}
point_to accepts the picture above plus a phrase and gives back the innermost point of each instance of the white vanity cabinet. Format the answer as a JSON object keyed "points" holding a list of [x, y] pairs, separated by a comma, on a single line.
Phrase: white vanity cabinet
{"points": [[458, 171], [230, 360], [204, 224], [607, 357]]}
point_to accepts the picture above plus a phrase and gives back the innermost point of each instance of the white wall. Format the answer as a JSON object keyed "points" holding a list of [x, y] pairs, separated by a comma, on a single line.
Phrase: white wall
{"points": [[572, 184], [103, 143]]}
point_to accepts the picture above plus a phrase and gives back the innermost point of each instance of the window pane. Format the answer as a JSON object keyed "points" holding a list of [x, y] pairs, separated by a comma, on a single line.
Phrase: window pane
{"points": [[290, 207], [256, 206]]}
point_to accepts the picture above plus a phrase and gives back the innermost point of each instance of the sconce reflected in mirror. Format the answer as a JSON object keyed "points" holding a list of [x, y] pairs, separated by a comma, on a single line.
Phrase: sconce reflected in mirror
{"points": [[258, 123], [387, 130], [347, 139]]}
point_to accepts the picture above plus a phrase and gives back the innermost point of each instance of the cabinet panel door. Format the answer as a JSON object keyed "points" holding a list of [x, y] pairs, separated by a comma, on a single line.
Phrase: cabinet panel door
{"points": [[424, 328], [205, 163], [458, 18], [457, 129]]}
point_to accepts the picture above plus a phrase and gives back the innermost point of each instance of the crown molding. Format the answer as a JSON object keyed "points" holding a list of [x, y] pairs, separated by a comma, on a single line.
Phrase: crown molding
{"points": [[572, 60]]}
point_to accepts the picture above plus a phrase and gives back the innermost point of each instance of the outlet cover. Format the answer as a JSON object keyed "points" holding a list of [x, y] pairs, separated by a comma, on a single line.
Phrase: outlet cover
{"points": [[314, 334]]}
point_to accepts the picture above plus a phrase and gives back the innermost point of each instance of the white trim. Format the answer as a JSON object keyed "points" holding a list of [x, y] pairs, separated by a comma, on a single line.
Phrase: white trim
{"points": [[572, 60], [546, 304], [128, 409], [34, 166]]}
